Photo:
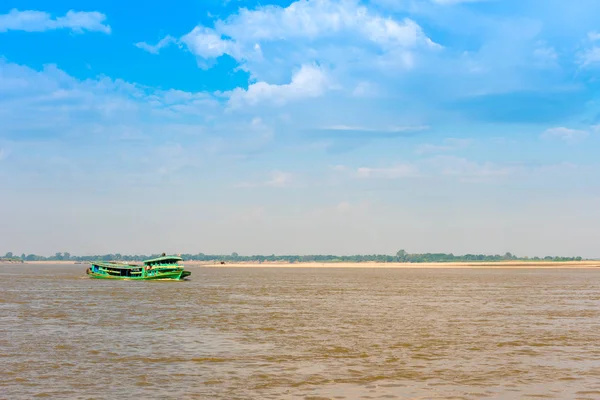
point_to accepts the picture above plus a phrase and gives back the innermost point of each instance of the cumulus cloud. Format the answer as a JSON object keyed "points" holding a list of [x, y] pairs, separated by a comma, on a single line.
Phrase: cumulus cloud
{"points": [[207, 43], [374, 54], [39, 21], [303, 19], [50, 104], [309, 81], [48, 112], [269, 41], [155, 49]]}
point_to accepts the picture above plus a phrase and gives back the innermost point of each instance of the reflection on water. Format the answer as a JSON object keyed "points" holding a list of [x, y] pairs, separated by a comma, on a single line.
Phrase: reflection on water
{"points": [[298, 333]]}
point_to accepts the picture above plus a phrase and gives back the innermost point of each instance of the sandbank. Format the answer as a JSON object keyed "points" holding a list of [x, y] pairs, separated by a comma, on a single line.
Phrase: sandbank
{"points": [[497, 264]]}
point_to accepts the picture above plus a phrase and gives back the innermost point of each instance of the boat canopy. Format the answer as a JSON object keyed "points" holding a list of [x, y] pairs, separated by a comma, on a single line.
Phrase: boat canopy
{"points": [[164, 259], [108, 264]]}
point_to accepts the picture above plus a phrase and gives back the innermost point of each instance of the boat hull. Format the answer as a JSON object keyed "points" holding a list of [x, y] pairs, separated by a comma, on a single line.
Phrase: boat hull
{"points": [[177, 275]]}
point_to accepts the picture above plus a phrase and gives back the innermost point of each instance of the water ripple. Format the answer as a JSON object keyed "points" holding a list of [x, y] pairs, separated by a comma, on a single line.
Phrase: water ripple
{"points": [[301, 334]]}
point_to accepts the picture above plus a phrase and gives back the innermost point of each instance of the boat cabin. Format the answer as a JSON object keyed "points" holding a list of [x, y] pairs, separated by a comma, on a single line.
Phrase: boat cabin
{"points": [[163, 261], [116, 269]]}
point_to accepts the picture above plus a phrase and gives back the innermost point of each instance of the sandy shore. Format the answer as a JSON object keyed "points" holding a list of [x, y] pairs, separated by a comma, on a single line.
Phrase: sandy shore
{"points": [[510, 264], [497, 264]]}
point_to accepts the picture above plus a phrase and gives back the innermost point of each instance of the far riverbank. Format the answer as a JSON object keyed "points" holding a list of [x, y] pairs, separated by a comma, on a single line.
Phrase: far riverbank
{"points": [[493, 264]]}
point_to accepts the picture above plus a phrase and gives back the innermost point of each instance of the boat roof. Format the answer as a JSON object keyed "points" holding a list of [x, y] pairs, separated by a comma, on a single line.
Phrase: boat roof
{"points": [[164, 258], [110, 264]]}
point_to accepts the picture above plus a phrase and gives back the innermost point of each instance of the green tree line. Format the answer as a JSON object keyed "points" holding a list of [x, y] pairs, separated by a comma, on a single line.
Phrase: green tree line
{"points": [[400, 256]]}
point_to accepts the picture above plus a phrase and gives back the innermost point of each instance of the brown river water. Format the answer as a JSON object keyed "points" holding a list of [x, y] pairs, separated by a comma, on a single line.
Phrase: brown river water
{"points": [[294, 333]]}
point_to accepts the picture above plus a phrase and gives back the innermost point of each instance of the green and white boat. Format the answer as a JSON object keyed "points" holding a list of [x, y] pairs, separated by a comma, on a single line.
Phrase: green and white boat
{"points": [[165, 267]]}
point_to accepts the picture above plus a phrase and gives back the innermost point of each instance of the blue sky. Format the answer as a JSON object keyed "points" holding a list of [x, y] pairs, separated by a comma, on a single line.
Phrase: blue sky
{"points": [[315, 126]]}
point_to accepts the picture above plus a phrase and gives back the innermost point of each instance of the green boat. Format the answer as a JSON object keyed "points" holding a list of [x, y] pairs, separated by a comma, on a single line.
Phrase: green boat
{"points": [[164, 267]]}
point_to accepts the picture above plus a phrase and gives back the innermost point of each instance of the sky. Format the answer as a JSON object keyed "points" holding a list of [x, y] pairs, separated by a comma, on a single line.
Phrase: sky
{"points": [[305, 127]]}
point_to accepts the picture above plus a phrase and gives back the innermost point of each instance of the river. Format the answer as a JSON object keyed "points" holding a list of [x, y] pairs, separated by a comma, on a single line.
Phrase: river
{"points": [[294, 333]]}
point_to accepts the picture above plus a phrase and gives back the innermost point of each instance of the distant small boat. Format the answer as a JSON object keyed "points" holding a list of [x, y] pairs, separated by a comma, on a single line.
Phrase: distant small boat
{"points": [[165, 267]]}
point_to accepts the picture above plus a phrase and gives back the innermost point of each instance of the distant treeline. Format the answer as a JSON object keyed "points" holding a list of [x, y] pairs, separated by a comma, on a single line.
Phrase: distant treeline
{"points": [[401, 256]]}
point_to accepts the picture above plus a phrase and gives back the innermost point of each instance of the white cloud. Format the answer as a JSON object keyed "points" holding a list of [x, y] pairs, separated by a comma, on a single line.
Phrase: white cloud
{"points": [[384, 129], [39, 21], [319, 18], [270, 40], [590, 57], [544, 54], [371, 53], [448, 168], [277, 179], [594, 36], [450, 144], [49, 106], [568, 135], [468, 170], [553, 169], [155, 49], [309, 81], [452, 2], [460, 168], [207, 43], [394, 172], [52, 95], [365, 89]]}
